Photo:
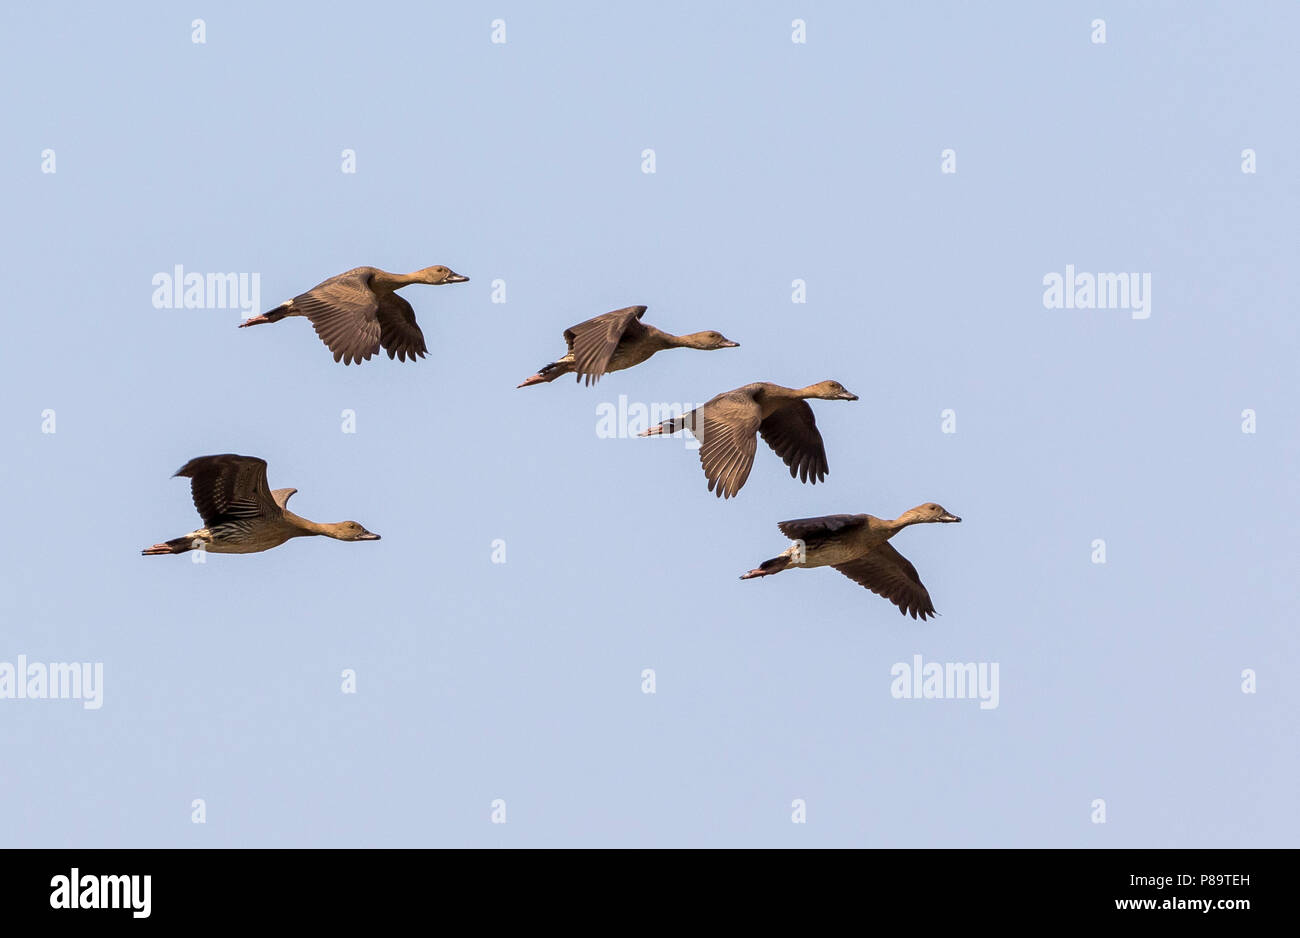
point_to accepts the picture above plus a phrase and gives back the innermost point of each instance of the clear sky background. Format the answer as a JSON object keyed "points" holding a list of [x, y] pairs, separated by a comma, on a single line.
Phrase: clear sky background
{"points": [[775, 161]]}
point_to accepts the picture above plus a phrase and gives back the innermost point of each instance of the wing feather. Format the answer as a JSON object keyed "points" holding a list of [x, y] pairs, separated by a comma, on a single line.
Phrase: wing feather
{"points": [[888, 573], [228, 487], [792, 433], [593, 342]]}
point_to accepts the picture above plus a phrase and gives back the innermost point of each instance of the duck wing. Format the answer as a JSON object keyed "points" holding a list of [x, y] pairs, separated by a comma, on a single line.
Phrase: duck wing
{"points": [[399, 333], [792, 433], [812, 529], [345, 314], [593, 342], [888, 573], [727, 428], [229, 488]]}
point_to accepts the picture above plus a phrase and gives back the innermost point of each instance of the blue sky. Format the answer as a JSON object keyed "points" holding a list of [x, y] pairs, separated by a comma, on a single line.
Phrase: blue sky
{"points": [[775, 161]]}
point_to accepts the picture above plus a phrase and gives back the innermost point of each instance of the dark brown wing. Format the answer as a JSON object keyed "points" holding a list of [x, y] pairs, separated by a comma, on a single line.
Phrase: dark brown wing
{"points": [[727, 428], [593, 342], [344, 312], [811, 529], [229, 488], [888, 573], [398, 332], [792, 433]]}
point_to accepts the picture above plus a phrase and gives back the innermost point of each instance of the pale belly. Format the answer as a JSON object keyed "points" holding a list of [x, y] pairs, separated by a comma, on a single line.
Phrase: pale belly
{"points": [[255, 545], [826, 553]]}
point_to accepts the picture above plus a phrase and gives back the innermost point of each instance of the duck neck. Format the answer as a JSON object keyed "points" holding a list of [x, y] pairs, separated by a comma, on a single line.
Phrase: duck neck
{"points": [[384, 282], [902, 521], [775, 393], [304, 528], [664, 340]]}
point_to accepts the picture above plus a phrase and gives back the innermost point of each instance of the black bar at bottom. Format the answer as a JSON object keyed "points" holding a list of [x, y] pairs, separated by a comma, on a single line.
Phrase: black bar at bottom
{"points": [[176, 887]]}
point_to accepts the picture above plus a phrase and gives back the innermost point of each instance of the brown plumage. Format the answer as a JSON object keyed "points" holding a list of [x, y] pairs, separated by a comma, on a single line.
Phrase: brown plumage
{"points": [[858, 546], [728, 427], [615, 341], [240, 512], [359, 311]]}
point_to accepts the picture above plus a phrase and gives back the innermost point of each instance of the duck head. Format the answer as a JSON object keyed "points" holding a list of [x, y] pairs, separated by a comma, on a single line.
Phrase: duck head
{"points": [[708, 341], [932, 513], [439, 274], [829, 391], [351, 531]]}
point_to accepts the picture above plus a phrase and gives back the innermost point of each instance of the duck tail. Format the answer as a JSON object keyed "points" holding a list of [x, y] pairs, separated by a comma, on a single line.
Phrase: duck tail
{"points": [[177, 545], [768, 567], [669, 427], [274, 315], [545, 374]]}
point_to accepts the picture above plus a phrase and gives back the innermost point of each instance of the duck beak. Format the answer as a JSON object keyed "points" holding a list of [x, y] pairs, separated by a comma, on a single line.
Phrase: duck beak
{"points": [[454, 277], [368, 536], [948, 517], [727, 343], [848, 396]]}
